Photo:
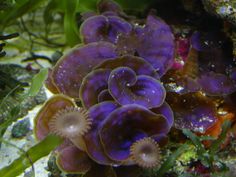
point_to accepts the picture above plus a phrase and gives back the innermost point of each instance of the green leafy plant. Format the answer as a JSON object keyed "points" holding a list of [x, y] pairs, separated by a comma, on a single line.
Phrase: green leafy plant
{"points": [[14, 109], [37, 82], [171, 160], [38, 151], [208, 157], [27, 158], [68, 10]]}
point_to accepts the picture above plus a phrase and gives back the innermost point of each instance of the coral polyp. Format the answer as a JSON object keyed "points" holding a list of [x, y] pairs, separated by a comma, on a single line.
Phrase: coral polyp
{"points": [[146, 153], [70, 122]]}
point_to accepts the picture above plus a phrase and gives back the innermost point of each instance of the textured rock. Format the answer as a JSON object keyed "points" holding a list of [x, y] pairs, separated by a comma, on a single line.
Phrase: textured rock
{"points": [[21, 128], [225, 9]]}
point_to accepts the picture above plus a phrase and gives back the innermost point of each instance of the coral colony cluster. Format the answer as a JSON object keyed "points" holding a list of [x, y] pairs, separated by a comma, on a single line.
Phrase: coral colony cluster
{"points": [[117, 93]]}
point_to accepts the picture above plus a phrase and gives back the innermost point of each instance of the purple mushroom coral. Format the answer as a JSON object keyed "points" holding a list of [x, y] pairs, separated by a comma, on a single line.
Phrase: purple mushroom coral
{"points": [[117, 138], [193, 111], [134, 40], [216, 63], [69, 71], [126, 85], [102, 133], [124, 119], [102, 28]]}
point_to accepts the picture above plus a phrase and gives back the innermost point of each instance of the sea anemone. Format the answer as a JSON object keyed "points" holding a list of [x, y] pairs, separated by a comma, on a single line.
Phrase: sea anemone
{"points": [[70, 122], [146, 153]]}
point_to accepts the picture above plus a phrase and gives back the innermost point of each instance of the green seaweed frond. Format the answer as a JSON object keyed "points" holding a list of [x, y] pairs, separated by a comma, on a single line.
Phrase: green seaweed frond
{"points": [[208, 156]]}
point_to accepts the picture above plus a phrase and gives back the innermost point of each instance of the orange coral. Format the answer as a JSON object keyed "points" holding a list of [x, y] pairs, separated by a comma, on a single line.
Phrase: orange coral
{"points": [[223, 115]]}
